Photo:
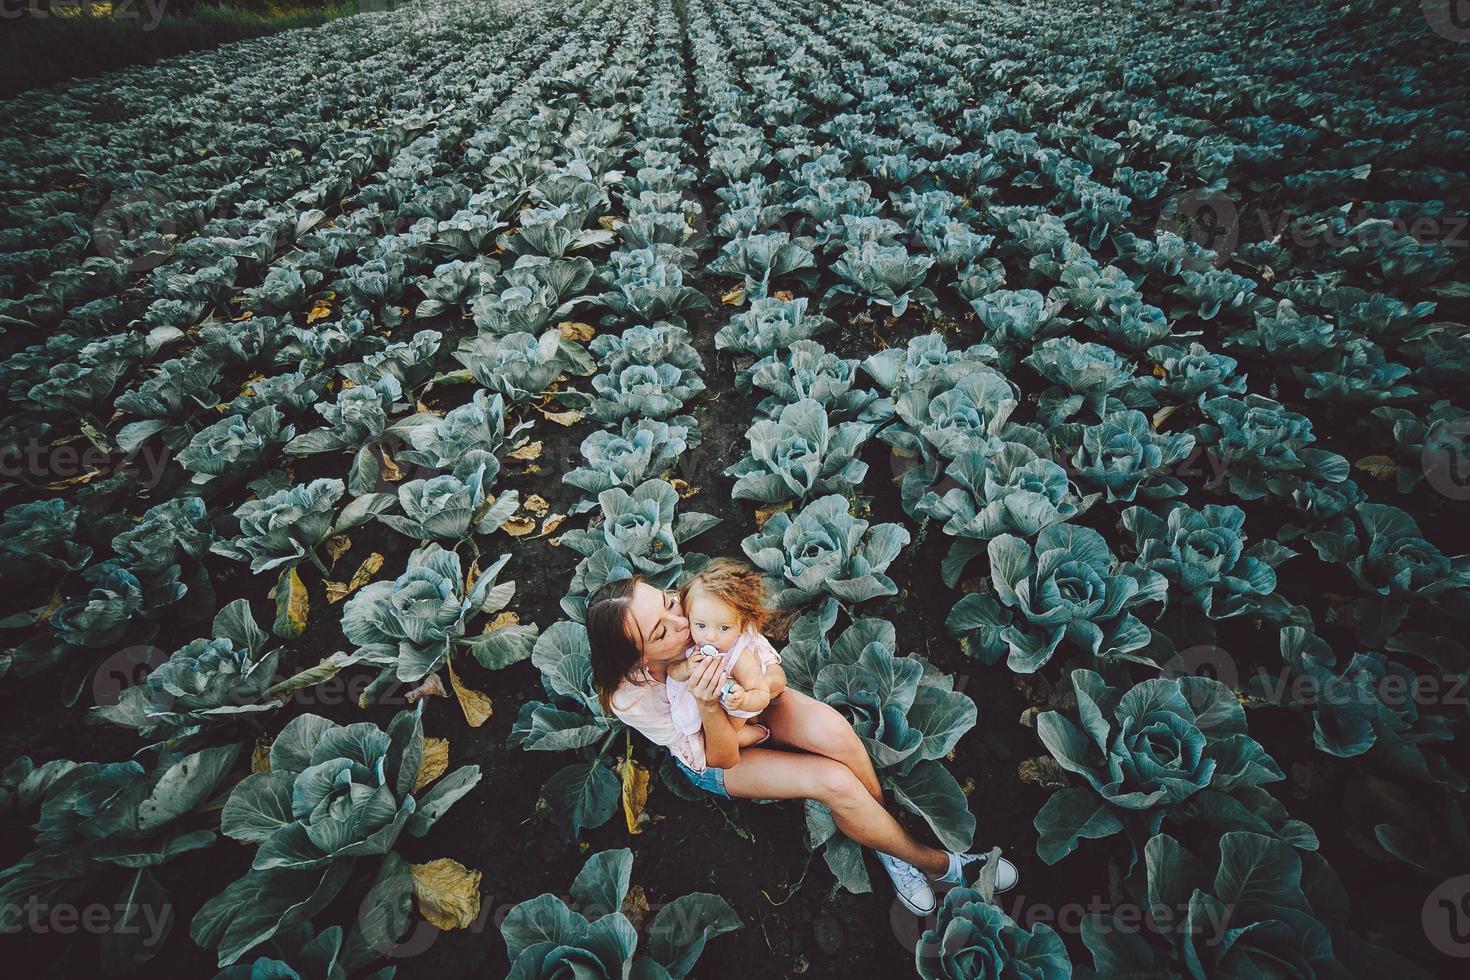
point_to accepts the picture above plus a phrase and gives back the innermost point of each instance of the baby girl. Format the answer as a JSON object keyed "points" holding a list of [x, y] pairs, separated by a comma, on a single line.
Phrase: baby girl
{"points": [[726, 608]]}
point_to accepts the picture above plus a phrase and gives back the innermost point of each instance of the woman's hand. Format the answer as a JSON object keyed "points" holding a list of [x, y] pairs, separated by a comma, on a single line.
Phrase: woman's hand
{"points": [[706, 677]]}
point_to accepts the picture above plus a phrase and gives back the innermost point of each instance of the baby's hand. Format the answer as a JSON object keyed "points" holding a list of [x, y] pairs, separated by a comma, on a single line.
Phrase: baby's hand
{"points": [[734, 699]]}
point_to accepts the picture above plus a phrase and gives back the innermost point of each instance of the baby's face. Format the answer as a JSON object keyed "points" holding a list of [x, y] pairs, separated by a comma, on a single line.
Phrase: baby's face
{"points": [[711, 621]]}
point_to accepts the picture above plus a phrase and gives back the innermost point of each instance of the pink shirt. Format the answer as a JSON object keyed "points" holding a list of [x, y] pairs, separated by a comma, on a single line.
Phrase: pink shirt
{"points": [[645, 708]]}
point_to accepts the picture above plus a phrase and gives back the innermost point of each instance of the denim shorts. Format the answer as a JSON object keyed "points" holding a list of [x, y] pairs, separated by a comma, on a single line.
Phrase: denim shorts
{"points": [[712, 780]]}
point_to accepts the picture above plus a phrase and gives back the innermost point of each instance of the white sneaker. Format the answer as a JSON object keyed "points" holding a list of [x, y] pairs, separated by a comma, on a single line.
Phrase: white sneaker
{"points": [[963, 868], [911, 884]]}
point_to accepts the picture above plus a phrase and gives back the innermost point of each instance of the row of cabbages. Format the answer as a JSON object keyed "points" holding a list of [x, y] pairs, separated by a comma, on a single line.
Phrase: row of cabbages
{"points": [[327, 795], [647, 374]]}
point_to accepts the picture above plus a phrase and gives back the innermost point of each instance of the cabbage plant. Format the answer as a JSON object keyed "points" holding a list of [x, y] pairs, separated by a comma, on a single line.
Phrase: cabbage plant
{"points": [[638, 451], [798, 455], [638, 534], [1202, 553], [451, 508], [763, 259], [41, 534], [1068, 586], [1144, 752], [885, 275], [1124, 457], [521, 366], [1014, 491], [103, 823], [333, 794], [1191, 372], [586, 793], [972, 938], [806, 369], [1259, 909], [546, 938], [1396, 568], [770, 325], [1085, 375], [1264, 448], [205, 688], [237, 445], [411, 626], [826, 553], [1361, 707], [465, 437], [278, 531]]}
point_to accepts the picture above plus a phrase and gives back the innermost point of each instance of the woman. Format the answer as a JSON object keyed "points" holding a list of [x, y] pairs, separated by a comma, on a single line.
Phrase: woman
{"points": [[636, 631]]}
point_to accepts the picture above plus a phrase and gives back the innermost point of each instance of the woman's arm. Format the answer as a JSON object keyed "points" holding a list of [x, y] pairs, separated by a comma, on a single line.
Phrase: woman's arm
{"points": [[721, 747]]}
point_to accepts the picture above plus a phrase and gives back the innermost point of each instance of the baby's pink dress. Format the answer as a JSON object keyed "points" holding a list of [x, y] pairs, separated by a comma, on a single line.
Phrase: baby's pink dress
{"points": [[685, 708]]}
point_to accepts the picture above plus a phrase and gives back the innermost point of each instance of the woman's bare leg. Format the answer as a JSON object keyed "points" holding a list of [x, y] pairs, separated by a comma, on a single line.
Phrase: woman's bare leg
{"points": [[770, 774], [803, 722]]}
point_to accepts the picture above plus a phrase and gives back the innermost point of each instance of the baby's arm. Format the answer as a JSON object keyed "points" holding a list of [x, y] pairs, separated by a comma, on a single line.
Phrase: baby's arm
{"points": [[755, 693]]}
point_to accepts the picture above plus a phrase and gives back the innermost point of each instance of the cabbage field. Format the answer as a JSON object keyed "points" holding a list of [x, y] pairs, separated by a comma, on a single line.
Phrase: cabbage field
{"points": [[1090, 377]]}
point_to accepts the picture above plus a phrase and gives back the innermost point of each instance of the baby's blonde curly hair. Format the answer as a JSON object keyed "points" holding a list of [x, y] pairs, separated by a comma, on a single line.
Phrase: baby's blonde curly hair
{"points": [[738, 586]]}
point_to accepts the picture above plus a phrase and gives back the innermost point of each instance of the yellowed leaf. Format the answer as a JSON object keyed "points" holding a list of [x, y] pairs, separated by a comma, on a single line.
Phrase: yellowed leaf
{"points": [[336, 591], [260, 758], [82, 478], [636, 780], [551, 523], [337, 546], [536, 504], [784, 295], [1159, 371], [610, 222], [635, 905], [430, 687], [51, 607], [734, 297], [1162, 415], [577, 331], [763, 514], [448, 892], [476, 705], [1378, 467], [684, 490], [504, 619], [519, 527], [531, 469], [435, 762], [527, 452], [391, 472], [320, 310], [472, 576], [569, 417], [292, 606]]}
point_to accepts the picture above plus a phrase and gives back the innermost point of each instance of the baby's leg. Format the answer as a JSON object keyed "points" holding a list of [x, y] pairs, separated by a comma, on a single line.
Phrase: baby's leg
{"points": [[752, 734]]}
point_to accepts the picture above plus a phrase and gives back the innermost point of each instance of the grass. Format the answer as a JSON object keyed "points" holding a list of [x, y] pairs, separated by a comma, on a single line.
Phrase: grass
{"points": [[71, 43]]}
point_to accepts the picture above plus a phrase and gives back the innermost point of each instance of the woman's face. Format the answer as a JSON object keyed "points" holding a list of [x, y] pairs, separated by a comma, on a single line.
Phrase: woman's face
{"points": [[656, 622]]}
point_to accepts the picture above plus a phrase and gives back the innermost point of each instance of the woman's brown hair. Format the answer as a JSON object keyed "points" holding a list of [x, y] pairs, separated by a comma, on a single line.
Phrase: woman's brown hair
{"points": [[614, 653]]}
